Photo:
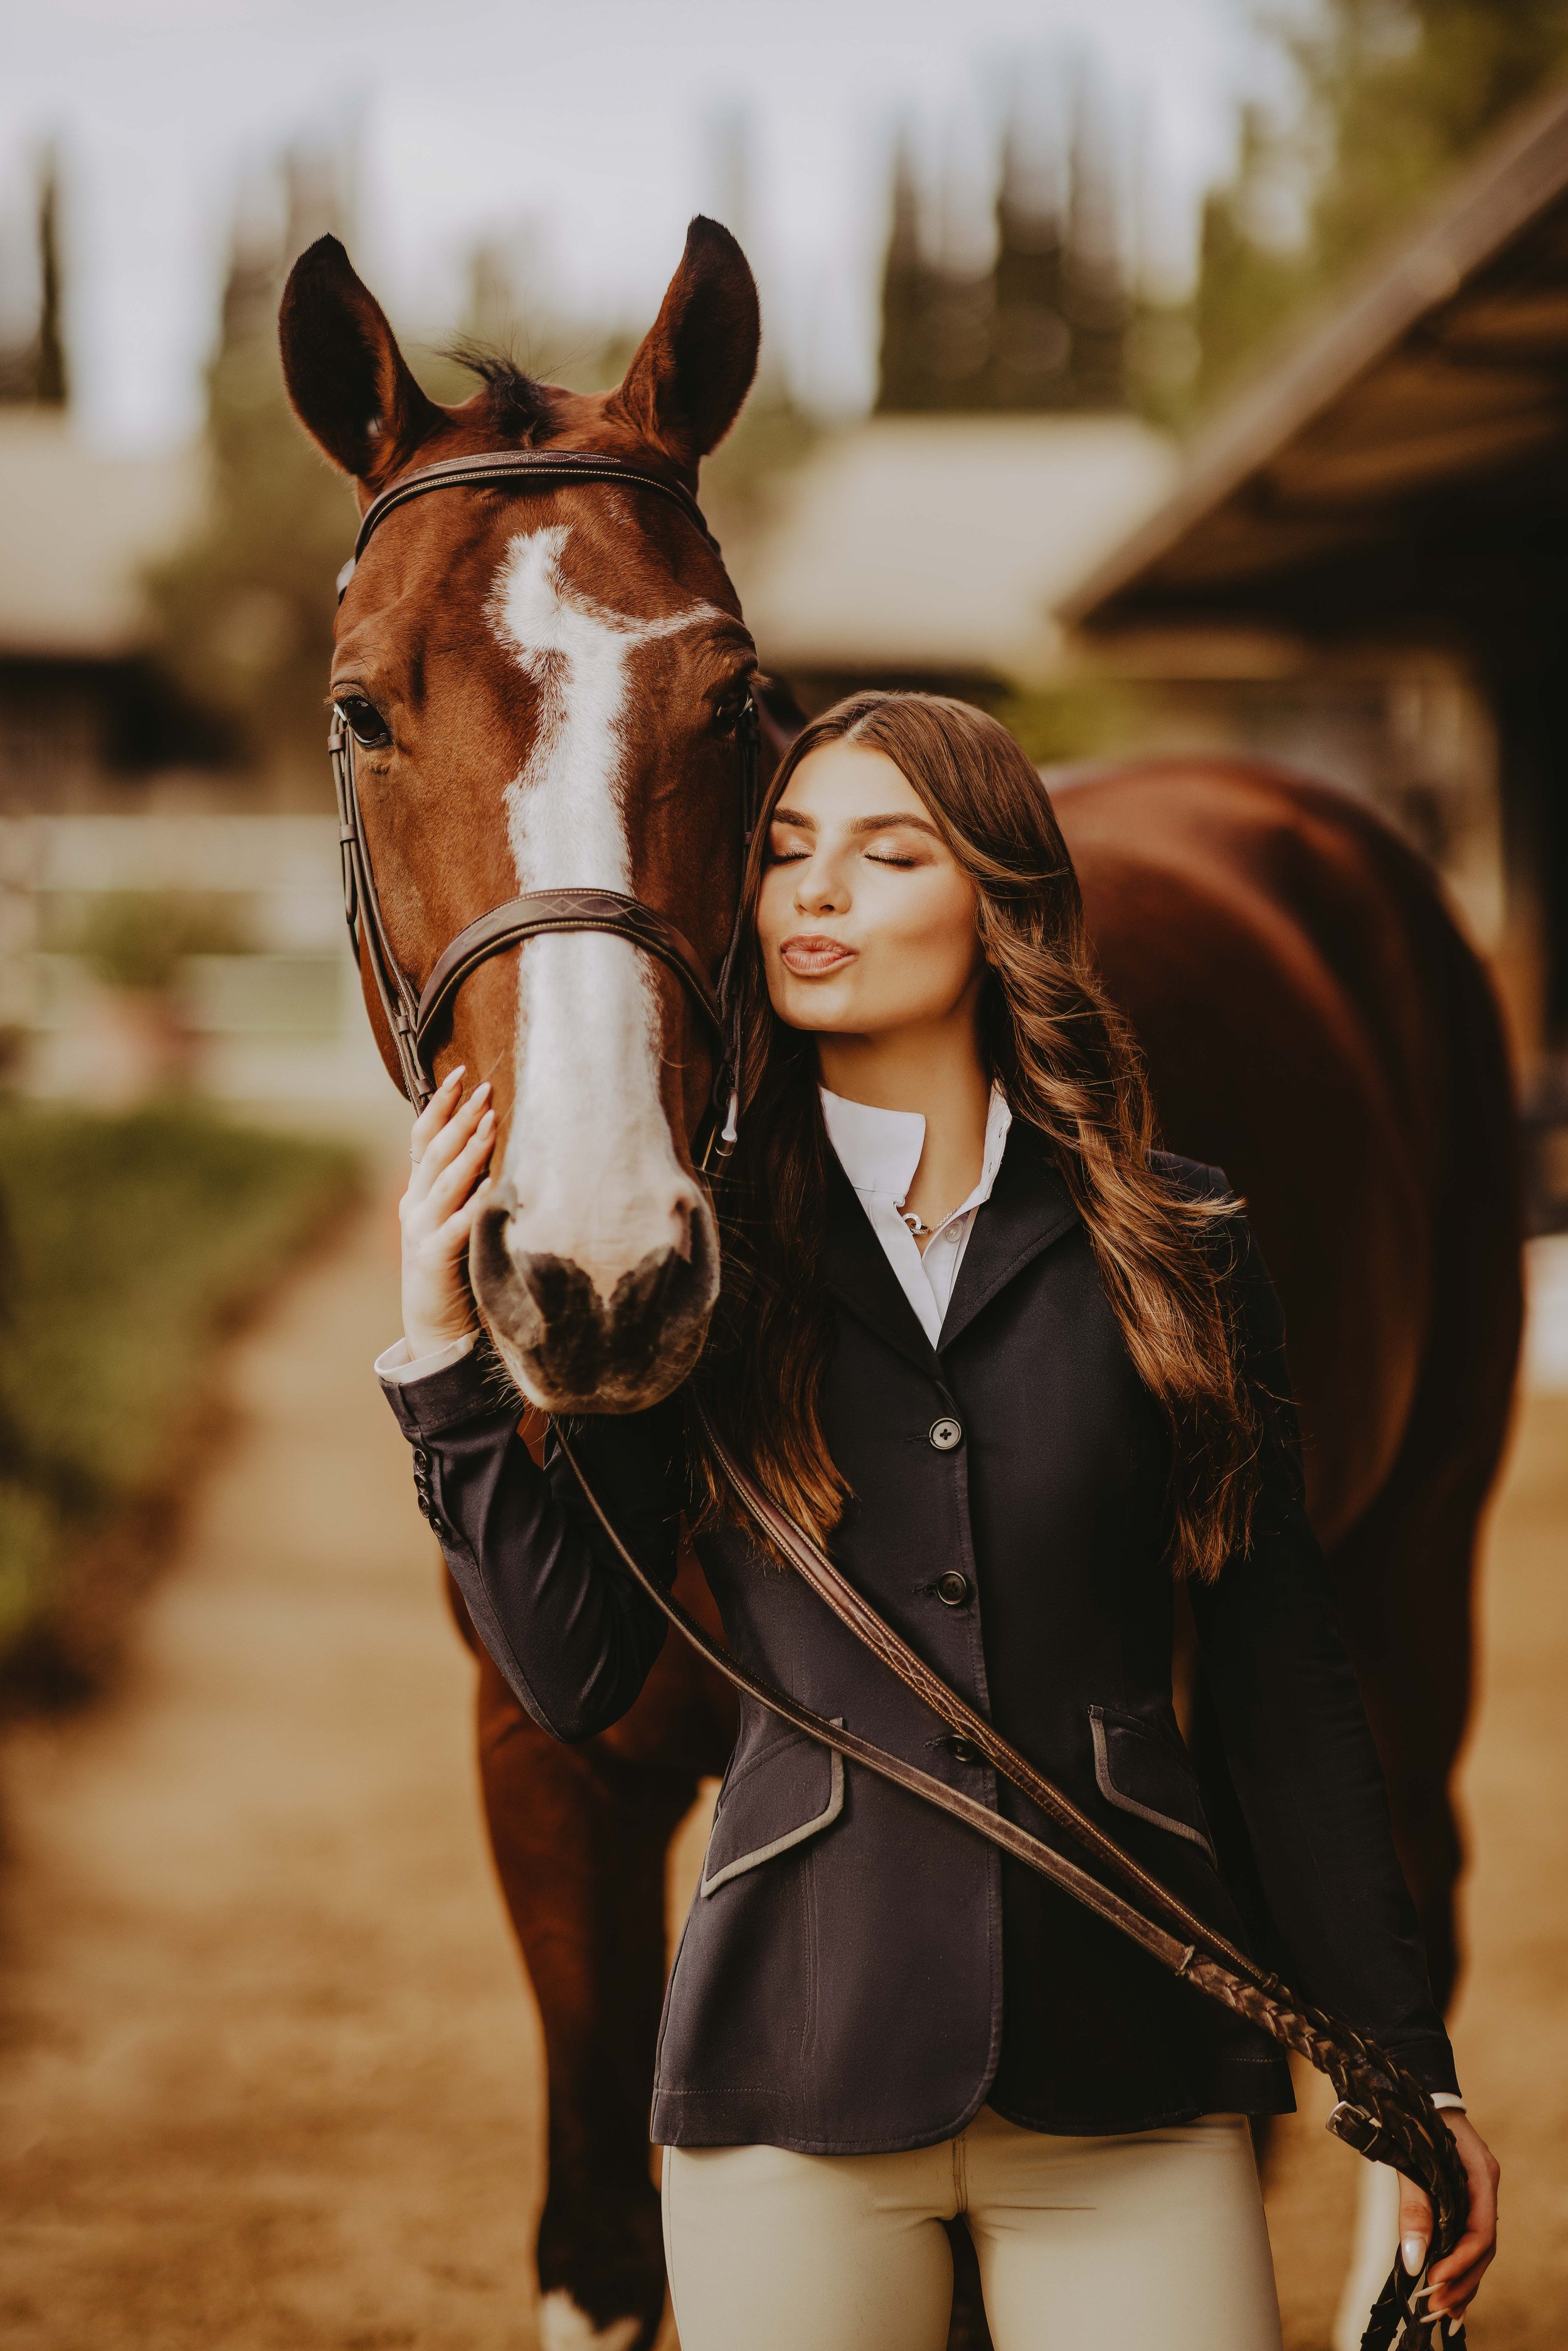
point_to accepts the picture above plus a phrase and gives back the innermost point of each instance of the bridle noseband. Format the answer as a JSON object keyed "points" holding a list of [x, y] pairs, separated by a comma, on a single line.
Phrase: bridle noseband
{"points": [[411, 1011]]}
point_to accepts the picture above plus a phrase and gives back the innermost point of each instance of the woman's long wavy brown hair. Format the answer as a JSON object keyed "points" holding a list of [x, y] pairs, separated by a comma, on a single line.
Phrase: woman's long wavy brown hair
{"points": [[1067, 1063]]}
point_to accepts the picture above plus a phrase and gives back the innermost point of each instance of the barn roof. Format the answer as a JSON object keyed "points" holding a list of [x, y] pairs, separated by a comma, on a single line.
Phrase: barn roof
{"points": [[1405, 467], [911, 544], [77, 527]]}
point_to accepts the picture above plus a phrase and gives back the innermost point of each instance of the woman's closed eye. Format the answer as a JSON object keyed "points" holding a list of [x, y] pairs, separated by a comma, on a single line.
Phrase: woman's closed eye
{"points": [[900, 845]]}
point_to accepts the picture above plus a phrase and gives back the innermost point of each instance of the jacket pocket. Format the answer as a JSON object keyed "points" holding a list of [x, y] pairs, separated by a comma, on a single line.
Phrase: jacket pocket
{"points": [[782, 1792], [1140, 1770]]}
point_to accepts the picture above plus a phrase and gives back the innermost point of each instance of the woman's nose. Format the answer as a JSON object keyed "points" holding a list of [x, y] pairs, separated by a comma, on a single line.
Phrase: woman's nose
{"points": [[816, 890]]}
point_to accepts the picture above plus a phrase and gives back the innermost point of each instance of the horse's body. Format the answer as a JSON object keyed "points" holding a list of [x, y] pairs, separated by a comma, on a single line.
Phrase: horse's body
{"points": [[550, 671]]}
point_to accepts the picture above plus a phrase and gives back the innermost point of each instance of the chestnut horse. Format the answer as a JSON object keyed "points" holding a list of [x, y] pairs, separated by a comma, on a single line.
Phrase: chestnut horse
{"points": [[544, 683]]}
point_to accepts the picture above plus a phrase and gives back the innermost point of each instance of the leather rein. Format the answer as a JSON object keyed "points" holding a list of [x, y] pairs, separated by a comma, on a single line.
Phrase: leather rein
{"points": [[412, 1011]]}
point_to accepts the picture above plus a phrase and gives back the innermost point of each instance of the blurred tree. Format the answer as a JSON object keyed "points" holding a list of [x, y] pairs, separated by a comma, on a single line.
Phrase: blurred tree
{"points": [[244, 611], [1046, 326], [33, 367], [1392, 95]]}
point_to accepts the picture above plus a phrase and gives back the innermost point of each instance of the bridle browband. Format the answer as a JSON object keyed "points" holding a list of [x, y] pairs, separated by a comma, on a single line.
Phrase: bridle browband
{"points": [[411, 1011]]}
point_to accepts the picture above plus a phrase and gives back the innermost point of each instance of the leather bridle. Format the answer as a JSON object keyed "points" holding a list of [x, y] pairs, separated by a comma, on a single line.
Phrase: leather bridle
{"points": [[412, 1010]]}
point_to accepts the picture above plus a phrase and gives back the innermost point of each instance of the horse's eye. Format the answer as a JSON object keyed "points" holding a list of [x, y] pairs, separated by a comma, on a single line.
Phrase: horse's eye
{"points": [[727, 709], [363, 721]]}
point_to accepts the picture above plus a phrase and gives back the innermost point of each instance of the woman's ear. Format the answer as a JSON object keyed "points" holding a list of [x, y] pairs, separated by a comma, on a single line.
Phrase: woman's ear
{"points": [[693, 368], [350, 384]]}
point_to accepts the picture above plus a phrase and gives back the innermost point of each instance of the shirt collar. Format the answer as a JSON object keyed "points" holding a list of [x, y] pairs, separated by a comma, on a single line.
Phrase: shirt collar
{"points": [[880, 1150]]}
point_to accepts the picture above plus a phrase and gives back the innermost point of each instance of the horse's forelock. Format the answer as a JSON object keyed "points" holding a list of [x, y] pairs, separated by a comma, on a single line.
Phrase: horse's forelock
{"points": [[517, 408]]}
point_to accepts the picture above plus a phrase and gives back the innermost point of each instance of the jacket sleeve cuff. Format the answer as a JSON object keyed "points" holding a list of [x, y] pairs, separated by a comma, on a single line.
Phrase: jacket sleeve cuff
{"points": [[472, 1387], [1431, 2060], [397, 1366]]}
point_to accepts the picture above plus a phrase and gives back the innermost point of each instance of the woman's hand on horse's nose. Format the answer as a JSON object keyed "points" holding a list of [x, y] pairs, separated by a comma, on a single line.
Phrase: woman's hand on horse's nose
{"points": [[451, 1142], [1452, 2285]]}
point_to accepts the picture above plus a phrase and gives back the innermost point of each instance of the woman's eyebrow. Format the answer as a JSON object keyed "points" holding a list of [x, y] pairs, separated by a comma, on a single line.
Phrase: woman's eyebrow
{"points": [[883, 823], [862, 825]]}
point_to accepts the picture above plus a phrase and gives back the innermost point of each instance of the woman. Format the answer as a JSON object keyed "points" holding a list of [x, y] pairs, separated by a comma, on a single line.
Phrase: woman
{"points": [[1027, 1374]]}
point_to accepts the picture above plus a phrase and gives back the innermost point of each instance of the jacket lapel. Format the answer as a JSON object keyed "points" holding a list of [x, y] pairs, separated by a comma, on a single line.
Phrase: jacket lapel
{"points": [[860, 1277], [1029, 1208]]}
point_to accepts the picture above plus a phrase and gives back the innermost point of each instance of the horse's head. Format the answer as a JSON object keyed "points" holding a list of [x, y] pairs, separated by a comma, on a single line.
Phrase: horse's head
{"points": [[544, 682]]}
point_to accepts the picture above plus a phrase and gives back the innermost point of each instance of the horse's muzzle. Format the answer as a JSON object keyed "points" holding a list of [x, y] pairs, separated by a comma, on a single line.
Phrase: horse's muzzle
{"points": [[569, 1347]]}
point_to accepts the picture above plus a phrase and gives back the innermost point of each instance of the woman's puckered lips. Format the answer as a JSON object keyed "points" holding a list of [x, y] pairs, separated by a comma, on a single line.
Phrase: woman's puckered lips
{"points": [[811, 954]]}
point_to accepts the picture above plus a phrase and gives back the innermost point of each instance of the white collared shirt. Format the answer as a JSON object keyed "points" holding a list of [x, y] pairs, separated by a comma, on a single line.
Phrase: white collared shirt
{"points": [[879, 1151]]}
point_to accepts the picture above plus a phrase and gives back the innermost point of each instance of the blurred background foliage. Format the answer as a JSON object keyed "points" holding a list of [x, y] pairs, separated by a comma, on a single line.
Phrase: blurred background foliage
{"points": [[130, 1244], [138, 939], [1387, 96], [243, 613]]}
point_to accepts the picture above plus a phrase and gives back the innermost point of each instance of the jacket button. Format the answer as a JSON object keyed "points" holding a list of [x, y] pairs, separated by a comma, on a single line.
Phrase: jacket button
{"points": [[952, 1589], [964, 1751], [421, 1457], [945, 1433]]}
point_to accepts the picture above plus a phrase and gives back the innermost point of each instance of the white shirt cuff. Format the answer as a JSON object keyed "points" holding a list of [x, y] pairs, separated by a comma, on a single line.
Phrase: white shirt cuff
{"points": [[1449, 2098], [399, 1366]]}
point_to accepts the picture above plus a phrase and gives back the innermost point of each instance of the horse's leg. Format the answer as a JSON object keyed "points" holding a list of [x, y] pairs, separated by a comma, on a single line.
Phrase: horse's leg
{"points": [[580, 1836], [1405, 1571], [967, 2329]]}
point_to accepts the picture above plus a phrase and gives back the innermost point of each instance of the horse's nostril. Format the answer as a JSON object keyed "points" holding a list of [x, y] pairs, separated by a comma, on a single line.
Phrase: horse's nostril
{"points": [[684, 1209], [491, 1265]]}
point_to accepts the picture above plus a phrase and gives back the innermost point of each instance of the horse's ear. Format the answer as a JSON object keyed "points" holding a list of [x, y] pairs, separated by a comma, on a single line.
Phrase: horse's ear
{"points": [[350, 383], [682, 391]]}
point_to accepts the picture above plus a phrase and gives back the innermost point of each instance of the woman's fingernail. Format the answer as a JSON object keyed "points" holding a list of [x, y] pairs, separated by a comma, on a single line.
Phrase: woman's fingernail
{"points": [[453, 1075], [1412, 2252], [481, 1091]]}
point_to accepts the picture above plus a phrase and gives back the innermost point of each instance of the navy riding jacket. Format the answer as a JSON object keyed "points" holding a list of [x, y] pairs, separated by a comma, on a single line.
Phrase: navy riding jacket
{"points": [[859, 1973]]}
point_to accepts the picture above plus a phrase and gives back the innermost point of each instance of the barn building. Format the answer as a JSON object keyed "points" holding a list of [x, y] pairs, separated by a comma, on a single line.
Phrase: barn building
{"points": [[1394, 493], [86, 717]]}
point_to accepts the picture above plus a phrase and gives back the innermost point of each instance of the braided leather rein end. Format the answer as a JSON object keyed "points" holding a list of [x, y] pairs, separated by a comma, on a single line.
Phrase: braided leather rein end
{"points": [[1384, 2115]]}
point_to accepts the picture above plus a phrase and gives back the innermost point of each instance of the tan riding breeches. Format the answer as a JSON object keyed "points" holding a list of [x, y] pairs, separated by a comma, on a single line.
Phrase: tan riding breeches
{"points": [[1084, 2244]]}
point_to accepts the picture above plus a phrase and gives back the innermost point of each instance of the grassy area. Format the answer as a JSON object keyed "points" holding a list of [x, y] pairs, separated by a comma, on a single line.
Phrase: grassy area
{"points": [[129, 1244]]}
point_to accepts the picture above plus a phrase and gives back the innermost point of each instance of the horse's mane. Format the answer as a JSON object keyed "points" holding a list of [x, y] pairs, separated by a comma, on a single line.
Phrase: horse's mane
{"points": [[518, 406]]}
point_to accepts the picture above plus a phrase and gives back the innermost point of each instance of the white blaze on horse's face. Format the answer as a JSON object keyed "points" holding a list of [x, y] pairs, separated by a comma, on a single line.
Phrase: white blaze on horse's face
{"points": [[589, 1161]]}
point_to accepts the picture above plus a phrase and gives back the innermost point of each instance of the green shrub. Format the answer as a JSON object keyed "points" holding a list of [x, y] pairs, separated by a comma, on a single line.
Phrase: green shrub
{"points": [[139, 938], [130, 1242]]}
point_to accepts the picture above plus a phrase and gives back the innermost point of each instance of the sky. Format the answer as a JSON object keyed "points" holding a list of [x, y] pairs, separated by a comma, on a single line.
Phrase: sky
{"points": [[594, 127]]}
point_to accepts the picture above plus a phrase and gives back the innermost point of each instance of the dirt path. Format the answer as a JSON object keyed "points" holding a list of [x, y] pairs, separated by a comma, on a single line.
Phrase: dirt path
{"points": [[269, 2076]]}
